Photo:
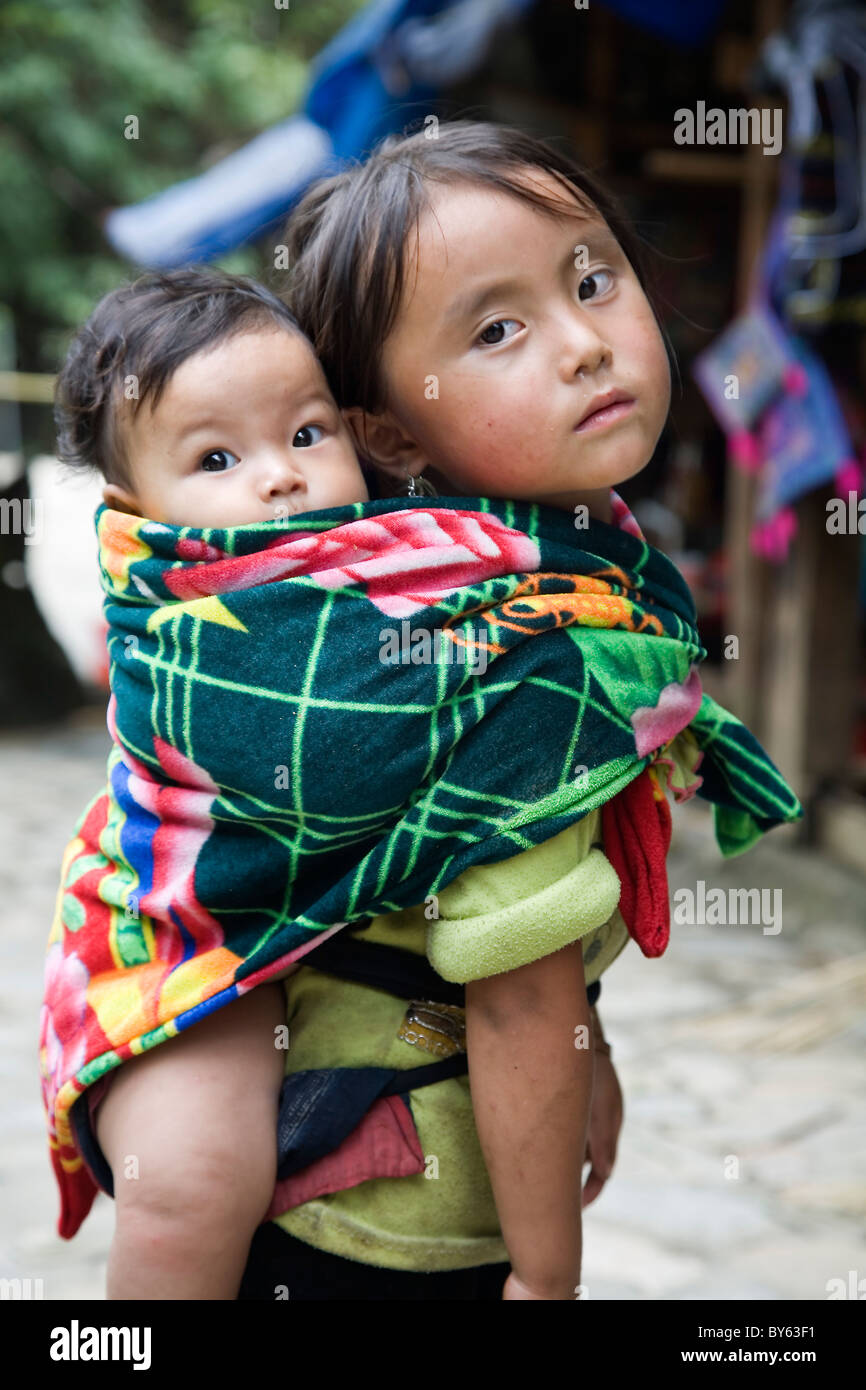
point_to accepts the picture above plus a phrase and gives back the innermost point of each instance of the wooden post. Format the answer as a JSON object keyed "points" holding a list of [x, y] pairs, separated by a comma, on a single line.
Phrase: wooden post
{"points": [[812, 652]]}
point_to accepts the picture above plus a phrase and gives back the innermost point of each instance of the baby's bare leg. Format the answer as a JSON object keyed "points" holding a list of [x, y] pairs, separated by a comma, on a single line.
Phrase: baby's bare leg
{"points": [[189, 1130]]}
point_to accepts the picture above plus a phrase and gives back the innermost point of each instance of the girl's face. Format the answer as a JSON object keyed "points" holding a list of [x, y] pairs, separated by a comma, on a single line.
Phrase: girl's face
{"points": [[503, 344]]}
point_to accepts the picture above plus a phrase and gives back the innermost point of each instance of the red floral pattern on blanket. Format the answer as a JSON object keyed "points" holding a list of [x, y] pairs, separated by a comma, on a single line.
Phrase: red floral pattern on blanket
{"points": [[408, 560]]}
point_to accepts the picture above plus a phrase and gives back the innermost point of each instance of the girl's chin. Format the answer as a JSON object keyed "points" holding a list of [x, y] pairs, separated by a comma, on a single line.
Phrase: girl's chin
{"points": [[574, 480]]}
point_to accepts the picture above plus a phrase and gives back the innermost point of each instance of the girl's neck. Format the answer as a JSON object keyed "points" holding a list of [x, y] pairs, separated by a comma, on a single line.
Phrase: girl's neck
{"points": [[597, 503]]}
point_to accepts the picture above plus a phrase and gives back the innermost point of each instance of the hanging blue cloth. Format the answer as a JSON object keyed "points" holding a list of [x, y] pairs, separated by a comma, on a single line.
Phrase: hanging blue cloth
{"points": [[387, 63]]}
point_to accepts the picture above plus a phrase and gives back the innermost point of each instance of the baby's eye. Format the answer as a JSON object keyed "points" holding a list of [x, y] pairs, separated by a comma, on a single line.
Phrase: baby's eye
{"points": [[301, 439], [489, 329], [218, 460], [589, 280]]}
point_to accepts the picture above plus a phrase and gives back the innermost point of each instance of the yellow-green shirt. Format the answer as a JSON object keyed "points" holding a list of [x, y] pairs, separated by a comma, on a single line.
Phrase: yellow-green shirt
{"points": [[491, 919]]}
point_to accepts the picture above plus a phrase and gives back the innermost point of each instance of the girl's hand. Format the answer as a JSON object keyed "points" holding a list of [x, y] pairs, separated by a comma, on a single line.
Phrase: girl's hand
{"points": [[605, 1121]]}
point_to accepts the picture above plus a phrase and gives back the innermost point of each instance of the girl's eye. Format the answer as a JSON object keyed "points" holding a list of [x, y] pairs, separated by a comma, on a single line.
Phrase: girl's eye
{"points": [[301, 439], [590, 280], [489, 329], [218, 461]]}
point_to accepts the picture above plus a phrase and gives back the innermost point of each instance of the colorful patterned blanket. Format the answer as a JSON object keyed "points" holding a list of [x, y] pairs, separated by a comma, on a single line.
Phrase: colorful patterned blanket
{"points": [[332, 716]]}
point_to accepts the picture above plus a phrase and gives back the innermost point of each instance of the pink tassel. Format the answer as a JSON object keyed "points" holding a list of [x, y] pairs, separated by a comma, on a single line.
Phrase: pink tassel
{"points": [[745, 451], [786, 525], [848, 478], [772, 538], [795, 380]]}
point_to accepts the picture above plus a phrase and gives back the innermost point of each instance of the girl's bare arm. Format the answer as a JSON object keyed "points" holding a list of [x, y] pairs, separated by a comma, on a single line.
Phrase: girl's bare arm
{"points": [[531, 1092]]}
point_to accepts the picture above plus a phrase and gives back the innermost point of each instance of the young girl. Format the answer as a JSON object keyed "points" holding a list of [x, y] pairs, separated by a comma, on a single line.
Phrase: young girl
{"points": [[480, 308], [203, 406], [569, 400]]}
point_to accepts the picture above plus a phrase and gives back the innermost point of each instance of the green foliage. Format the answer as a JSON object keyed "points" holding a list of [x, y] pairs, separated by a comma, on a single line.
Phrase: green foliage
{"points": [[201, 76]]}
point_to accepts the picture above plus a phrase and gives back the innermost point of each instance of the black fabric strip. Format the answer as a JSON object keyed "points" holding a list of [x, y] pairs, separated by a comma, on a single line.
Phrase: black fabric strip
{"points": [[417, 1077], [402, 973]]}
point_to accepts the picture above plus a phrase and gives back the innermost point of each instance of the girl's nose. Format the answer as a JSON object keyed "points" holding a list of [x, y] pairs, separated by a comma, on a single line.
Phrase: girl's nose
{"points": [[582, 349]]}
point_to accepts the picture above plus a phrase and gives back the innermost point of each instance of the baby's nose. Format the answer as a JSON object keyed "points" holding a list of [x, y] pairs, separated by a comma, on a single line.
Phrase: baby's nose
{"points": [[280, 475]]}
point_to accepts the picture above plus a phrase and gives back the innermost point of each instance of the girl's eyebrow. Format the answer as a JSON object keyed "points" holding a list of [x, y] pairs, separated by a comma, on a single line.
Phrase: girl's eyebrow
{"points": [[471, 303]]}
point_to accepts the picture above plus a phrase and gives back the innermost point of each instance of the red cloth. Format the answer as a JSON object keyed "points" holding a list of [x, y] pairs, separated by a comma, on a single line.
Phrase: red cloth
{"points": [[636, 827], [384, 1145]]}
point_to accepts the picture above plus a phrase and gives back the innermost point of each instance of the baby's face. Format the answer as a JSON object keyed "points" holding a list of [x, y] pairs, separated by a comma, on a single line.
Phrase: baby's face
{"points": [[245, 431], [522, 341]]}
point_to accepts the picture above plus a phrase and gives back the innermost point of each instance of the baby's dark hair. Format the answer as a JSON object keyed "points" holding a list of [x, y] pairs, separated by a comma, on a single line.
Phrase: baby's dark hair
{"points": [[133, 343], [347, 237]]}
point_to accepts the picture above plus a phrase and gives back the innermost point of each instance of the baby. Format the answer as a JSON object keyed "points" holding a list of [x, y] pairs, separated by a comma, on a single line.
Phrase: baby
{"points": [[201, 403]]}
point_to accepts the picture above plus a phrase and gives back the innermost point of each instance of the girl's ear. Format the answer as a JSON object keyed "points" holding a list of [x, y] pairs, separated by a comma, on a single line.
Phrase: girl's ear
{"points": [[385, 443], [120, 500]]}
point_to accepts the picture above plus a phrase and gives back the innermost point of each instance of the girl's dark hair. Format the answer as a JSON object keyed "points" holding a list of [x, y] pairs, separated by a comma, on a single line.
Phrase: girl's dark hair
{"points": [[347, 237], [133, 343]]}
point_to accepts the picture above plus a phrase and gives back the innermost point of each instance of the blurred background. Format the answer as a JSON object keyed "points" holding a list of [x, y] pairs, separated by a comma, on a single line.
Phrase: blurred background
{"points": [[142, 133]]}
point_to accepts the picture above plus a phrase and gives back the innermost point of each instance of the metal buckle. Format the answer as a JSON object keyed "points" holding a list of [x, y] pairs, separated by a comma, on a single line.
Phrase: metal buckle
{"points": [[439, 1029]]}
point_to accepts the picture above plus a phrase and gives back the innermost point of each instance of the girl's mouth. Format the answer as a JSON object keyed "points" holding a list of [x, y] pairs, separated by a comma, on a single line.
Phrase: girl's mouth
{"points": [[607, 415]]}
